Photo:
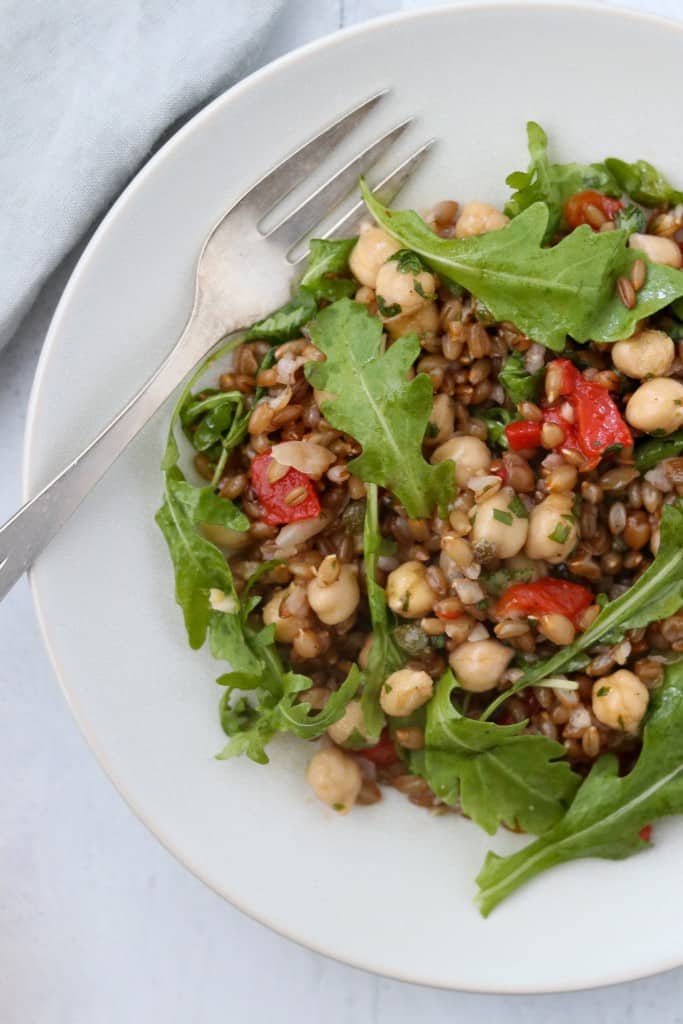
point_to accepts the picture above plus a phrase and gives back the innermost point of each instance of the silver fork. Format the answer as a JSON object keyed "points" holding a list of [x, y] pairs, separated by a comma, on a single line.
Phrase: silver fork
{"points": [[222, 305]]}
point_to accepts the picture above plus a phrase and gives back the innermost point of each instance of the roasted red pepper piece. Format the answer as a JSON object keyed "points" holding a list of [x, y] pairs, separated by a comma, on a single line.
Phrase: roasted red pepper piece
{"points": [[576, 210], [597, 424], [273, 496], [523, 434], [383, 753], [544, 596]]}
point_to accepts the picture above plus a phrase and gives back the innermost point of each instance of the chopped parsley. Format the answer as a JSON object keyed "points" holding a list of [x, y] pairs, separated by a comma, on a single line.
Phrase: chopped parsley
{"points": [[429, 296], [560, 533], [518, 508], [387, 311], [502, 516], [407, 262], [603, 691]]}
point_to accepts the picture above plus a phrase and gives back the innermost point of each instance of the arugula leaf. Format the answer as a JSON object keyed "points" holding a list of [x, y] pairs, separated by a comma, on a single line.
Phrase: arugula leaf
{"points": [[219, 414], [553, 184], [548, 293], [643, 182], [608, 812], [375, 403], [655, 595], [631, 219], [650, 453], [202, 504], [250, 728], [329, 257], [297, 718], [520, 385], [496, 420], [384, 656], [499, 775], [199, 565], [286, 323]]}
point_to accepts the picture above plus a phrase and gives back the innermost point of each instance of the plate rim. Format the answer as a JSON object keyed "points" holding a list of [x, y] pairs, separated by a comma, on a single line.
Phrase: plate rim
{"points": [[232, 93]]}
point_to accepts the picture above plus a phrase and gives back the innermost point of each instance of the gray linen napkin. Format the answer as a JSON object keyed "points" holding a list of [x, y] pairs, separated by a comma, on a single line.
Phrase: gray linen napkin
{"points": [[86, 88]]}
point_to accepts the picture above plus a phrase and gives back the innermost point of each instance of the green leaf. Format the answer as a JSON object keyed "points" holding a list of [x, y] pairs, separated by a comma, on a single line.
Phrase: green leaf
{"points": [[286, 323], [297, 718], [251, 728], [329, 257], [496, 420], [258, 665], [553, 184], [217, 414], [649, 454], [608, 812], [630, 219], [643, 182], [655, 595], [203, 505], [499, 775], [549, 293], [199, 565], [520, 385], [376, 405], [384, 656]]}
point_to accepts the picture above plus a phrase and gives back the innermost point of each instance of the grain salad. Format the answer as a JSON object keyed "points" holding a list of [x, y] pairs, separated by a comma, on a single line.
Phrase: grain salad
{"points": [[430, 514]]}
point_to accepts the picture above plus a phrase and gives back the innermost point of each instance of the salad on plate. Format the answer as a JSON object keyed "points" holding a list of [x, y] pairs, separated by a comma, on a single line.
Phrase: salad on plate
{"points": [[430, 514]]}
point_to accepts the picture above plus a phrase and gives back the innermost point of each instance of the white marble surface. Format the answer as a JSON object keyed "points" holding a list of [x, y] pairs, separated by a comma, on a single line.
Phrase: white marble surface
{"points": [[98, 924]]}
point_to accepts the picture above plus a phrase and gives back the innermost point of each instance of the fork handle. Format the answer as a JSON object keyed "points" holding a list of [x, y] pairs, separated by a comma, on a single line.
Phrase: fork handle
{"points": [[29, 531]]}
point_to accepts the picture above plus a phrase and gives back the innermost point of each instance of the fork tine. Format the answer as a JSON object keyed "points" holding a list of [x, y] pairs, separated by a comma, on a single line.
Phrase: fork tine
{"points": [[290, 172], [313, 209], [387, 189]]}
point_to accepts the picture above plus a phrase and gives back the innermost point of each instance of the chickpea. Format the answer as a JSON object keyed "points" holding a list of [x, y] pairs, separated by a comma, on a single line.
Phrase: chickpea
{"points": [[408, 591], [334, 599], [285, 628], [405, 691], [407, 290], [656, 405], [441, 420], [335, 778], [371, 251], [470, 455], [620, 700], [422, 321], [351, 722], [224, 537], [659, 250], [647, 354], [479, 664], [499, 524], [553, 530], [478, 218]]}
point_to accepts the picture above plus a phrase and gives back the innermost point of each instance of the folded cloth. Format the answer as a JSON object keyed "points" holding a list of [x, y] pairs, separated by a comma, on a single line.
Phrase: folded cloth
{"points": [[87, 88]]}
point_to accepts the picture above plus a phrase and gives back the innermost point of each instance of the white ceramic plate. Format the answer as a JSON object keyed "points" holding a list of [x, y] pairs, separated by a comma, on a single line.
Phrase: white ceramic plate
{"points": [[387, 888]]}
